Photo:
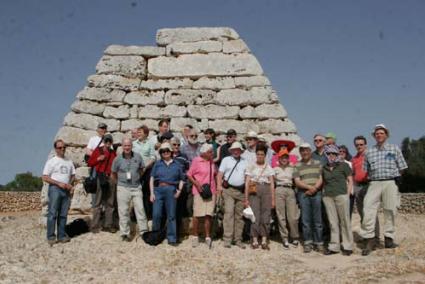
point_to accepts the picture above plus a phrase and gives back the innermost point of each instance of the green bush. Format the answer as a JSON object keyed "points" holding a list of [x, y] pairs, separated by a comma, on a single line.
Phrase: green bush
{"points": [[24, 182]]}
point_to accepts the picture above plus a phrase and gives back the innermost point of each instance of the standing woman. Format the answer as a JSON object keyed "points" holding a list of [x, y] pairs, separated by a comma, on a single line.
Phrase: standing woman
{"points": [[202, 172], [166, 184], [338, 183], [260, 175]]}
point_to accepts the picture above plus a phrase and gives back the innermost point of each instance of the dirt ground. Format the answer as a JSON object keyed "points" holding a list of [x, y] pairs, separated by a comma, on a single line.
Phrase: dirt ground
{"points": [[25, 257]]}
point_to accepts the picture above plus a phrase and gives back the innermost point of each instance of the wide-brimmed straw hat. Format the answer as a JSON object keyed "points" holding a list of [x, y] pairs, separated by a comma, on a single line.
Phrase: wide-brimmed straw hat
{"points": [[278, 143]]}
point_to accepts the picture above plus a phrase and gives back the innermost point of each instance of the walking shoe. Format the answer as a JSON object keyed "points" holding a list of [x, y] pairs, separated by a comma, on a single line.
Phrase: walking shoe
{"points": [[112, 230], [255, 245], [347, 252], [307, 248], [195, 241], [51, 242], [389, 243], [295, 243], [227, 244], [265, 246], [65, 240], [125, 238], [329, 252], [240, 244], [285, 245], [319, 248], [369, 246]]}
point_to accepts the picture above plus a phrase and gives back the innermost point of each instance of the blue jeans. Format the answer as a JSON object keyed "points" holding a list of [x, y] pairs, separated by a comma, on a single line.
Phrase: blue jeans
{"points": [[164, 196], [311, 217], [59, 201]]}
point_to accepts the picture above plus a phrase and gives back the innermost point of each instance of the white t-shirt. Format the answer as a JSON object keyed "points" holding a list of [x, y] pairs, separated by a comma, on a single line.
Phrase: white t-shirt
{"points": [[94, 142], [238, 176], [59, 169], [260, 173]]}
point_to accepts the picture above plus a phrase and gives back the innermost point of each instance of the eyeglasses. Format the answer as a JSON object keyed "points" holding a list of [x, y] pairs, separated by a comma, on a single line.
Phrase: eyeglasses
{"points": [[318, 140], [61, 148], [165, 151], [357, 145], [193, 136], [176, 144]]}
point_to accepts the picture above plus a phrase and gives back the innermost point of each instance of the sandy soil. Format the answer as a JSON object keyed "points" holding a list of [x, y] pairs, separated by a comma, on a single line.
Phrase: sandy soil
{"points": [[25, 257]]}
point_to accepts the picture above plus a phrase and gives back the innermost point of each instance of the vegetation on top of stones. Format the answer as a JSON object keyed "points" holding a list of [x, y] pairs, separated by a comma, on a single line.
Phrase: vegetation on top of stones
{"points": [[414, 153], [24, 182]]}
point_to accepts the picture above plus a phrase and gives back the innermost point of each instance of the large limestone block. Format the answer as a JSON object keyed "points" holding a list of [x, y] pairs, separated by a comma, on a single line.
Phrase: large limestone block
{"points": [[90, 122], [145, 51], [128, 66], [254, 96], [194, 47], [277, 126], [167, 36], [189, 97], [218, 83], [80, 201], [75, 136], [76, 154], [235, 46], [241, 126], [101, 95], [127, 125], [154, 84], [114, 82], [168, 111], [145, 98], [88, 107], [121, 112], [247, 82], [82, 172], [213, 111], [199, 65], [263, 111], [178, 123]]}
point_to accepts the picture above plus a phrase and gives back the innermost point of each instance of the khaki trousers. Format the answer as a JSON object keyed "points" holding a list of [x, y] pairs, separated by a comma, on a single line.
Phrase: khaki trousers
{"points": [[125, 195], [261, 204], [232, 221], [287, 212], [385, 192], [338, 211], [359, 195]]}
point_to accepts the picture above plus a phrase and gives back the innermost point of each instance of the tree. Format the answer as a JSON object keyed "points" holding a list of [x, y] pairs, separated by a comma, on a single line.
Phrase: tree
{"points": [[414, 153], [24, 182]]}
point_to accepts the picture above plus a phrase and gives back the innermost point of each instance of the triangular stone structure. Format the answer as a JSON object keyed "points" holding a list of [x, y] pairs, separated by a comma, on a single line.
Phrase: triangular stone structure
{"points": [[206, 77]]}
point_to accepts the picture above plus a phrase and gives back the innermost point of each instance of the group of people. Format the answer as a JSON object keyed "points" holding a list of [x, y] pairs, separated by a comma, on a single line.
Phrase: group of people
{"points": [[159, 174]]}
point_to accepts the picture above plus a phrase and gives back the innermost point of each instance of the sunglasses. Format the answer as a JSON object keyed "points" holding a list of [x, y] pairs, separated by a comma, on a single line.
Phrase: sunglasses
{"points": [[61, 148], [165, 151], [176, 144], [357, 145], [318, 140]]}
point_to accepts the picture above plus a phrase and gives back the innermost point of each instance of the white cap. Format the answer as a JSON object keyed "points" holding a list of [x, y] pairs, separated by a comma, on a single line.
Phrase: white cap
{"points": [[380, 126], [305, 145], [251, 134], [236, 145], [165, 145]]}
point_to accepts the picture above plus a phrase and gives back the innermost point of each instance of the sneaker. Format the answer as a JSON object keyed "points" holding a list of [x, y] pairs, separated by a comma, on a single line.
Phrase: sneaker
{"points": [[285, 245], [347, 252], [240, 244], [307, 248], [65, 240], [125, 238], [195, 241], [227, 244], [319, 248], [329, 252], [208, 242], [265, 246], [389, 243], [295, 243], [51, 242]]}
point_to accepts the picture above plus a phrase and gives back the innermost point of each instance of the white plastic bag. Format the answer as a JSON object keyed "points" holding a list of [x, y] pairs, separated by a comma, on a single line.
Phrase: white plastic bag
{"points": [[249, 214]]}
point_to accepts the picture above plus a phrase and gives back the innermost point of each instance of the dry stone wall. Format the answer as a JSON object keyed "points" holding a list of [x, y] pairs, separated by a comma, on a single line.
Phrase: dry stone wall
{"points": [[206, 77]]}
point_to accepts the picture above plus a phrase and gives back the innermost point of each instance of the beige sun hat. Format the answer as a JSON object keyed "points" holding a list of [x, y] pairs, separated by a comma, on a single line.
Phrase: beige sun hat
{"points": [[236, 145]]}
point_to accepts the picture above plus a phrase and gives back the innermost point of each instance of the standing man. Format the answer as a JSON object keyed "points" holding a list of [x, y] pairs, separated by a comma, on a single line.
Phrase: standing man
{"points": [[193, 148], [384, 164], [308, 179], [163, 126], [223, 150], [96, 141], [59, 173], [126, 169], [319, 153], [185, 134], [231, 177], [360, 180]]}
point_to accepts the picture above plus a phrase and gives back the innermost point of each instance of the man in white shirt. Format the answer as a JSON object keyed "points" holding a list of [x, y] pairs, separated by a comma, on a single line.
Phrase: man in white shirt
{"points": [[95, 141], [231, 177], [59, 173]]}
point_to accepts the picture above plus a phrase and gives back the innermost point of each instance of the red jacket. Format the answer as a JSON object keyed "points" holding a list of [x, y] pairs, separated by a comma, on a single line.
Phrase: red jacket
{"points": [[105, 165]]}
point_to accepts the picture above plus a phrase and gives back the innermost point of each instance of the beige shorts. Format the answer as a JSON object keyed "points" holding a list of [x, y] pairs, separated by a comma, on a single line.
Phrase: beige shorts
{"points": [[202, 208]]}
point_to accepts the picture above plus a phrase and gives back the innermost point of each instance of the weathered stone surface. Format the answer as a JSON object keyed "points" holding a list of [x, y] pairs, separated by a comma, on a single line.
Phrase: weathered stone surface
{"points": [[88, 107], [82, 172], [199, 65], [276, 126], [167, 36], [169, 111], [254, 96], [75, 136], [76, 154], [134, 111], [121, 112], [127, 125], [235, 46], [118, 136], [263, 111], [241, 126], [183, 83], [177, 124], [194, 47], [80, 200], [213, 111], [128, 66], [145, 51], [90, 122], [218, 83], [145, 98], [188, 97], [101, 95], [251, 81], [114, 82]]}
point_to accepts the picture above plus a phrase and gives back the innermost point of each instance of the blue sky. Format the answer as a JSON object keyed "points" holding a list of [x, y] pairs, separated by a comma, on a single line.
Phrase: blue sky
{"points": [[337, 65]]}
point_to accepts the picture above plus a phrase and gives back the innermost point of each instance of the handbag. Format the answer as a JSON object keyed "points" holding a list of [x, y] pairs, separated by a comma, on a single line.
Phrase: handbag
{"points": [[206, 192], [90, 182], [252, 186]]}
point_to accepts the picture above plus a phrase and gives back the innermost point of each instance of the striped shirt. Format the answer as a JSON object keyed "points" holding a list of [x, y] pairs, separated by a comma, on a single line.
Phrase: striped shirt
{"points": [[384, 163], [308, 172]]}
